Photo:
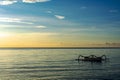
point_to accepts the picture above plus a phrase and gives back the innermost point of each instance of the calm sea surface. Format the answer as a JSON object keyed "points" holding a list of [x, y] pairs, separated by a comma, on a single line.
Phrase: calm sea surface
{"points": [[57, 64]]}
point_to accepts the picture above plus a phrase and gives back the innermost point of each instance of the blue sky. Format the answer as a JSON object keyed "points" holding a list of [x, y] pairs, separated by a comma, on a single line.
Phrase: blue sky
{"points": [[92, 21]]}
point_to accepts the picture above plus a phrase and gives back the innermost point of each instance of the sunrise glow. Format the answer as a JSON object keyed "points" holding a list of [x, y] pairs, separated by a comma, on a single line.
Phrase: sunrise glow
{"points": [[56, 23]]}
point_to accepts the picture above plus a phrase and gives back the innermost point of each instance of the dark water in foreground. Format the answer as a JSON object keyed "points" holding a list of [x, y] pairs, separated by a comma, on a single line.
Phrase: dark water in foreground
{"points": [[57, 64]]}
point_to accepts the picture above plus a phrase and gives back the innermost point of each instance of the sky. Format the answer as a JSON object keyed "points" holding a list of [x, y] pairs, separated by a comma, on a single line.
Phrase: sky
{"points": [[59, 23]]}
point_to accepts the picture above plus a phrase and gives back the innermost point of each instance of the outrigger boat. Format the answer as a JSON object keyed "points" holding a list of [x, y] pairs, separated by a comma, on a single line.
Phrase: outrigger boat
{"points": [[92, 58]]}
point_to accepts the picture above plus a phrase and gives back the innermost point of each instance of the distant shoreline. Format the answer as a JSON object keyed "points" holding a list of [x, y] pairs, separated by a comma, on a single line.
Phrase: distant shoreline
{"points": [[59, 47]]}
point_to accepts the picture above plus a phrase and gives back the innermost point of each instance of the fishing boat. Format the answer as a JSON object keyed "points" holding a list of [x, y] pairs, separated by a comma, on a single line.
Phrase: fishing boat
{"points": [[92, 58]]}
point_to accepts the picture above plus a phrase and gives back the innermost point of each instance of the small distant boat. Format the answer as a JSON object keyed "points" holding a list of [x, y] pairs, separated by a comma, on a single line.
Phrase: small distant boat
{"points": [[92, 58]]}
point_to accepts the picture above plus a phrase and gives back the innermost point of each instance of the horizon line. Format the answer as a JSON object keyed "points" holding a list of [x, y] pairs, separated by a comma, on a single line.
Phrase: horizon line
{"points": [[59, 47]]}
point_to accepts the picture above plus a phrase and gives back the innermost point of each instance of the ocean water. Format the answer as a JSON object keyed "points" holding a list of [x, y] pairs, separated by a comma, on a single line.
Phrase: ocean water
{"points": [[57, 64]]}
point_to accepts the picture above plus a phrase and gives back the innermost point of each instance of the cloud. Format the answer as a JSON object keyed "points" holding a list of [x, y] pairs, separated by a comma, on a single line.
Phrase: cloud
{"points": [[44, 33], [49, 12], [13, 20], [41, 26], [83, 7], [112, 44], [113, 11], [10, 19], [60, 17], [7, 2], [34, 1]]}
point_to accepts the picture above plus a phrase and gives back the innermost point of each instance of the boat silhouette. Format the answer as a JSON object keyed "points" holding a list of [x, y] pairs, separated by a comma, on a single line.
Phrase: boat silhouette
{"points": [[92, 58]]}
